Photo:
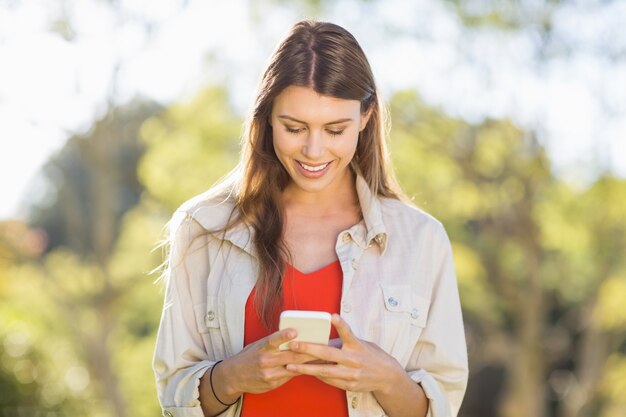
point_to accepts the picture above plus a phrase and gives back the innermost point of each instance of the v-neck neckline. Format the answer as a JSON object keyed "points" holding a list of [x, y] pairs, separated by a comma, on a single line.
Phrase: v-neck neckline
{"points": [[317, 271]]}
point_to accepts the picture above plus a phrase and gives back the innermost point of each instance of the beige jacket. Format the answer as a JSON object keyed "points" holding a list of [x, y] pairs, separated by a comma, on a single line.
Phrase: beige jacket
{"points": [[399, 291]]}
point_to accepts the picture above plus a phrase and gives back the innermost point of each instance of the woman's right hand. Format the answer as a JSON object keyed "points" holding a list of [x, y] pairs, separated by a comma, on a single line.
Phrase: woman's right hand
{"points": [[258, 368]]}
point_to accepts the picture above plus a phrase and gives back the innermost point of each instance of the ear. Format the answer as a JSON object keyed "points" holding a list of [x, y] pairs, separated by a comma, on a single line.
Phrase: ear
{"points": [[365, 117]]}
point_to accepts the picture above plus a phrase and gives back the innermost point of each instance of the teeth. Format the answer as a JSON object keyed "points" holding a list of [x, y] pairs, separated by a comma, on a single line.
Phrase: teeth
{"points": [[313, 169]]}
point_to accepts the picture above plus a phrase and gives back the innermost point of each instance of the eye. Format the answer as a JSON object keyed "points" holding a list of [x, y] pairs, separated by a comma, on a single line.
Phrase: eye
{"points": [[294, 130], [335, 132]]}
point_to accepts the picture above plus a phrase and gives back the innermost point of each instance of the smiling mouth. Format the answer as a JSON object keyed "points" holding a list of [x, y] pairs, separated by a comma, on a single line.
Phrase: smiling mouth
{"points": [[312, 168]]}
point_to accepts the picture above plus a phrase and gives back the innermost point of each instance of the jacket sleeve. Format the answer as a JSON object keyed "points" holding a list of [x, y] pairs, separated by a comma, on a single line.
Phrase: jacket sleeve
{"points": [[439, 360], [180, 358]]}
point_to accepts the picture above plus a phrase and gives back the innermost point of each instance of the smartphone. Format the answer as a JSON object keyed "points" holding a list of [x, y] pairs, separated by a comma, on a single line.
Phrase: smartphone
{"points": [[312, 326]]}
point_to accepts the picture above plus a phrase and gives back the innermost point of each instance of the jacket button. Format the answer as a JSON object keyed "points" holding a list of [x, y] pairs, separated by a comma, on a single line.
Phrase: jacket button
{"points": [[210, 316], [415, 314], [354, 402], [346, 307], [392, 302]]}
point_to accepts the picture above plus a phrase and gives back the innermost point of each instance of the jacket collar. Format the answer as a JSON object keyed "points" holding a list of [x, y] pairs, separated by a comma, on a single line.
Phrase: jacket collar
{"points": [[215, 213], [375, 231]]}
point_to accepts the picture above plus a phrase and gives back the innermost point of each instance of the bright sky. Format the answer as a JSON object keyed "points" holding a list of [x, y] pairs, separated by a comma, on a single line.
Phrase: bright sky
{"points": [[51, 88]]}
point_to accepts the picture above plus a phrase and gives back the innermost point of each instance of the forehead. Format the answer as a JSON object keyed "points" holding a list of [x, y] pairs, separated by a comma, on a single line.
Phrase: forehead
{"points": [[304, 103]]}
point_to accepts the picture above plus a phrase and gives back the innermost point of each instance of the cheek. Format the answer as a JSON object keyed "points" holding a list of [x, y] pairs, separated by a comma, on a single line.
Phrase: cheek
{"points": [[348, 148], [282, 144]]}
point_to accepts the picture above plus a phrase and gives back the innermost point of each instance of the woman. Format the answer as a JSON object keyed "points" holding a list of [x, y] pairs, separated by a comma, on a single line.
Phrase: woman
{"points": [[312, 220]]}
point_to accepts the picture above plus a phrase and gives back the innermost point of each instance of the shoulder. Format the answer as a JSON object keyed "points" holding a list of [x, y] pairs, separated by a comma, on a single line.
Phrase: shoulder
{"points": [[398, 211], [406, 219], [209, 211]]}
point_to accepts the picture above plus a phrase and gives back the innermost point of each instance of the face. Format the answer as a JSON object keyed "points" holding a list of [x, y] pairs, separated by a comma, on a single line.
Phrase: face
{"points": [[315, 138]]}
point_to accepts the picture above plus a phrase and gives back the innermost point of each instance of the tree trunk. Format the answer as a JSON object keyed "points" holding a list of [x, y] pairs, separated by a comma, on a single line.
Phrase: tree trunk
{"points": [[526, 380], [527, 395], [595, 348], [99, 356]]}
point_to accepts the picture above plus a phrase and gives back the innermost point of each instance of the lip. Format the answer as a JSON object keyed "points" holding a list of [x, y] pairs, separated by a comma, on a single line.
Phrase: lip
{"points": [[316, 174]]}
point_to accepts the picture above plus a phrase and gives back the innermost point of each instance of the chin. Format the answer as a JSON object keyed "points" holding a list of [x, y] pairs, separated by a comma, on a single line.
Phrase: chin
{"points": [[316, 187]]}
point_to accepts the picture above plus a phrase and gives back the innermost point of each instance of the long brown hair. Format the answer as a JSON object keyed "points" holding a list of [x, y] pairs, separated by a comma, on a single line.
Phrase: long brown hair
{"points": [[328, 59]]}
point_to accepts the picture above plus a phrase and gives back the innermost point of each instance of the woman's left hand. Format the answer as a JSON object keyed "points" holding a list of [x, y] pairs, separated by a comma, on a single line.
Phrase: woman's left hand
{"points": [[358, 365]]}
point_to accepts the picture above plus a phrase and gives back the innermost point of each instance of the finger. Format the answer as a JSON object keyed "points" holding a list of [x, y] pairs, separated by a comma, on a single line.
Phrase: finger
{"points": [[343, 330], [319, 362], [325, 353], [288, 356], [278, 338], [324, 371], [276, 376], [278, 359]]}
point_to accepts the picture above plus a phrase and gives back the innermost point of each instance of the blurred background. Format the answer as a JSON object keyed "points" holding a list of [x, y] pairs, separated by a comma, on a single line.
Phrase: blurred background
{"points": [[508, 124]]}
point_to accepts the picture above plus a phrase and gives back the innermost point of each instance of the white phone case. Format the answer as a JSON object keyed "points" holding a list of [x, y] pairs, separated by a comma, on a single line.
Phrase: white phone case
{"points": [[312, 326]]}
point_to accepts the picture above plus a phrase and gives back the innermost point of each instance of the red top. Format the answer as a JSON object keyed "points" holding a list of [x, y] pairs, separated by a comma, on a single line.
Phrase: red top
{"points": [[303, 395]]}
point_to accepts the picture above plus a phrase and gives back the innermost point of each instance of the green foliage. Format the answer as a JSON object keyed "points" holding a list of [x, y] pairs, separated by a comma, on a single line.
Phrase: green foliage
{"points": [[92, 182], [610, 313], [614, 385], [531, 251], [190, 146], [133, 338], [36, 351], [97, 306], [59, 344]]}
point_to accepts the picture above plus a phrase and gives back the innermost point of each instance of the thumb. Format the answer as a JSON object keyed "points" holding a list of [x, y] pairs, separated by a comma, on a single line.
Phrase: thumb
{"points": [[343, 330]]}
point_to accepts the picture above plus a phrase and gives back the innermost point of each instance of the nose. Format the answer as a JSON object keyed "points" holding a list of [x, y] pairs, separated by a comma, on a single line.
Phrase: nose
{"points": [[314, 146]]}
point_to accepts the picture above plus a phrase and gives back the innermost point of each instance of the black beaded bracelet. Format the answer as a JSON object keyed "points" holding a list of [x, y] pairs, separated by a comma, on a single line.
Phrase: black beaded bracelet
{"points": [[213, 389]]}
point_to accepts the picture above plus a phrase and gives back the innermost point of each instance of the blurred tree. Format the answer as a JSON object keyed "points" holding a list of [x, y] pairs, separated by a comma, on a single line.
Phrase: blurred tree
{"points": [[190, 146], [61, 341], [92, 182], [481, 180], [531, 253], [96, 300], [18, 356], [585, 234]]}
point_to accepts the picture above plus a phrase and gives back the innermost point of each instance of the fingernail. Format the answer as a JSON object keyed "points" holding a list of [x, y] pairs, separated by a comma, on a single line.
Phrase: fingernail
{"points": [[294, 345]]}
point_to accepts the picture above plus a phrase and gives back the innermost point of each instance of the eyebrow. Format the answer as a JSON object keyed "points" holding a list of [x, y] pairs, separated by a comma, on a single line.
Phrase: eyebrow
{"points": [[293, 119]]}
